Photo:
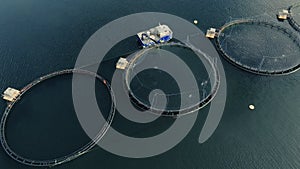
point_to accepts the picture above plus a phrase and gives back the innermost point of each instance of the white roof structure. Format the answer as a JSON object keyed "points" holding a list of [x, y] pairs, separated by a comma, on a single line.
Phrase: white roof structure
{"points": [[10, 94], [155, 34], [122, 63], [161, 31], [211, 33], [283, 15]]}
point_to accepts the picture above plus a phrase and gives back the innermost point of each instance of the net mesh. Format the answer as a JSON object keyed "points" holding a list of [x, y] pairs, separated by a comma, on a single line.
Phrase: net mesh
{"points": [[171, 79], [294, 19], [260, 47]]}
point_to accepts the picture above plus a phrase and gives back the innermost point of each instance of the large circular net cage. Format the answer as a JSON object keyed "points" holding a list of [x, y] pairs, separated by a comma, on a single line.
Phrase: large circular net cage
{"points": [[260, 47], [73, 155], [171, 79], [294, 18]]}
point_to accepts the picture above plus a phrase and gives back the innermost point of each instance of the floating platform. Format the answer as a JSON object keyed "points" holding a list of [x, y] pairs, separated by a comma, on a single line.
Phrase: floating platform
{"points": [[283, 15], [122, 63], [10, 94], [211, 33]]}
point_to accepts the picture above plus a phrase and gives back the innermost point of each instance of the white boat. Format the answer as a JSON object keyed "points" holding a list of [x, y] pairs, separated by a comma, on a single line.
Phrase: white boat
{"points": [[156, 35]]}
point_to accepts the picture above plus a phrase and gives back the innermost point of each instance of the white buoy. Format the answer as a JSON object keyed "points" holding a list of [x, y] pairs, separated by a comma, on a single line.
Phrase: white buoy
{"points": [[251, 107], [195, 22]]}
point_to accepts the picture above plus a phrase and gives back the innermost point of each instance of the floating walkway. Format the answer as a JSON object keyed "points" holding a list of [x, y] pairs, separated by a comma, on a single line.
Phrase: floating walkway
{"points": [[67, 158], [248, 68], [180, 112]]}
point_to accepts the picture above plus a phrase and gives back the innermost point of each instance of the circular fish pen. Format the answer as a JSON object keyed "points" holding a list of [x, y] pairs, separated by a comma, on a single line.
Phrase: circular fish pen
{"points": [[294, 18], [259, 47], [163, 67], [53, 162]]}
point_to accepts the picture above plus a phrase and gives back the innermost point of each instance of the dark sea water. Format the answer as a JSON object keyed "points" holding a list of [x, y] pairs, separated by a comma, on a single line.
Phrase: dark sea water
{"points": [[41, 36]]}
